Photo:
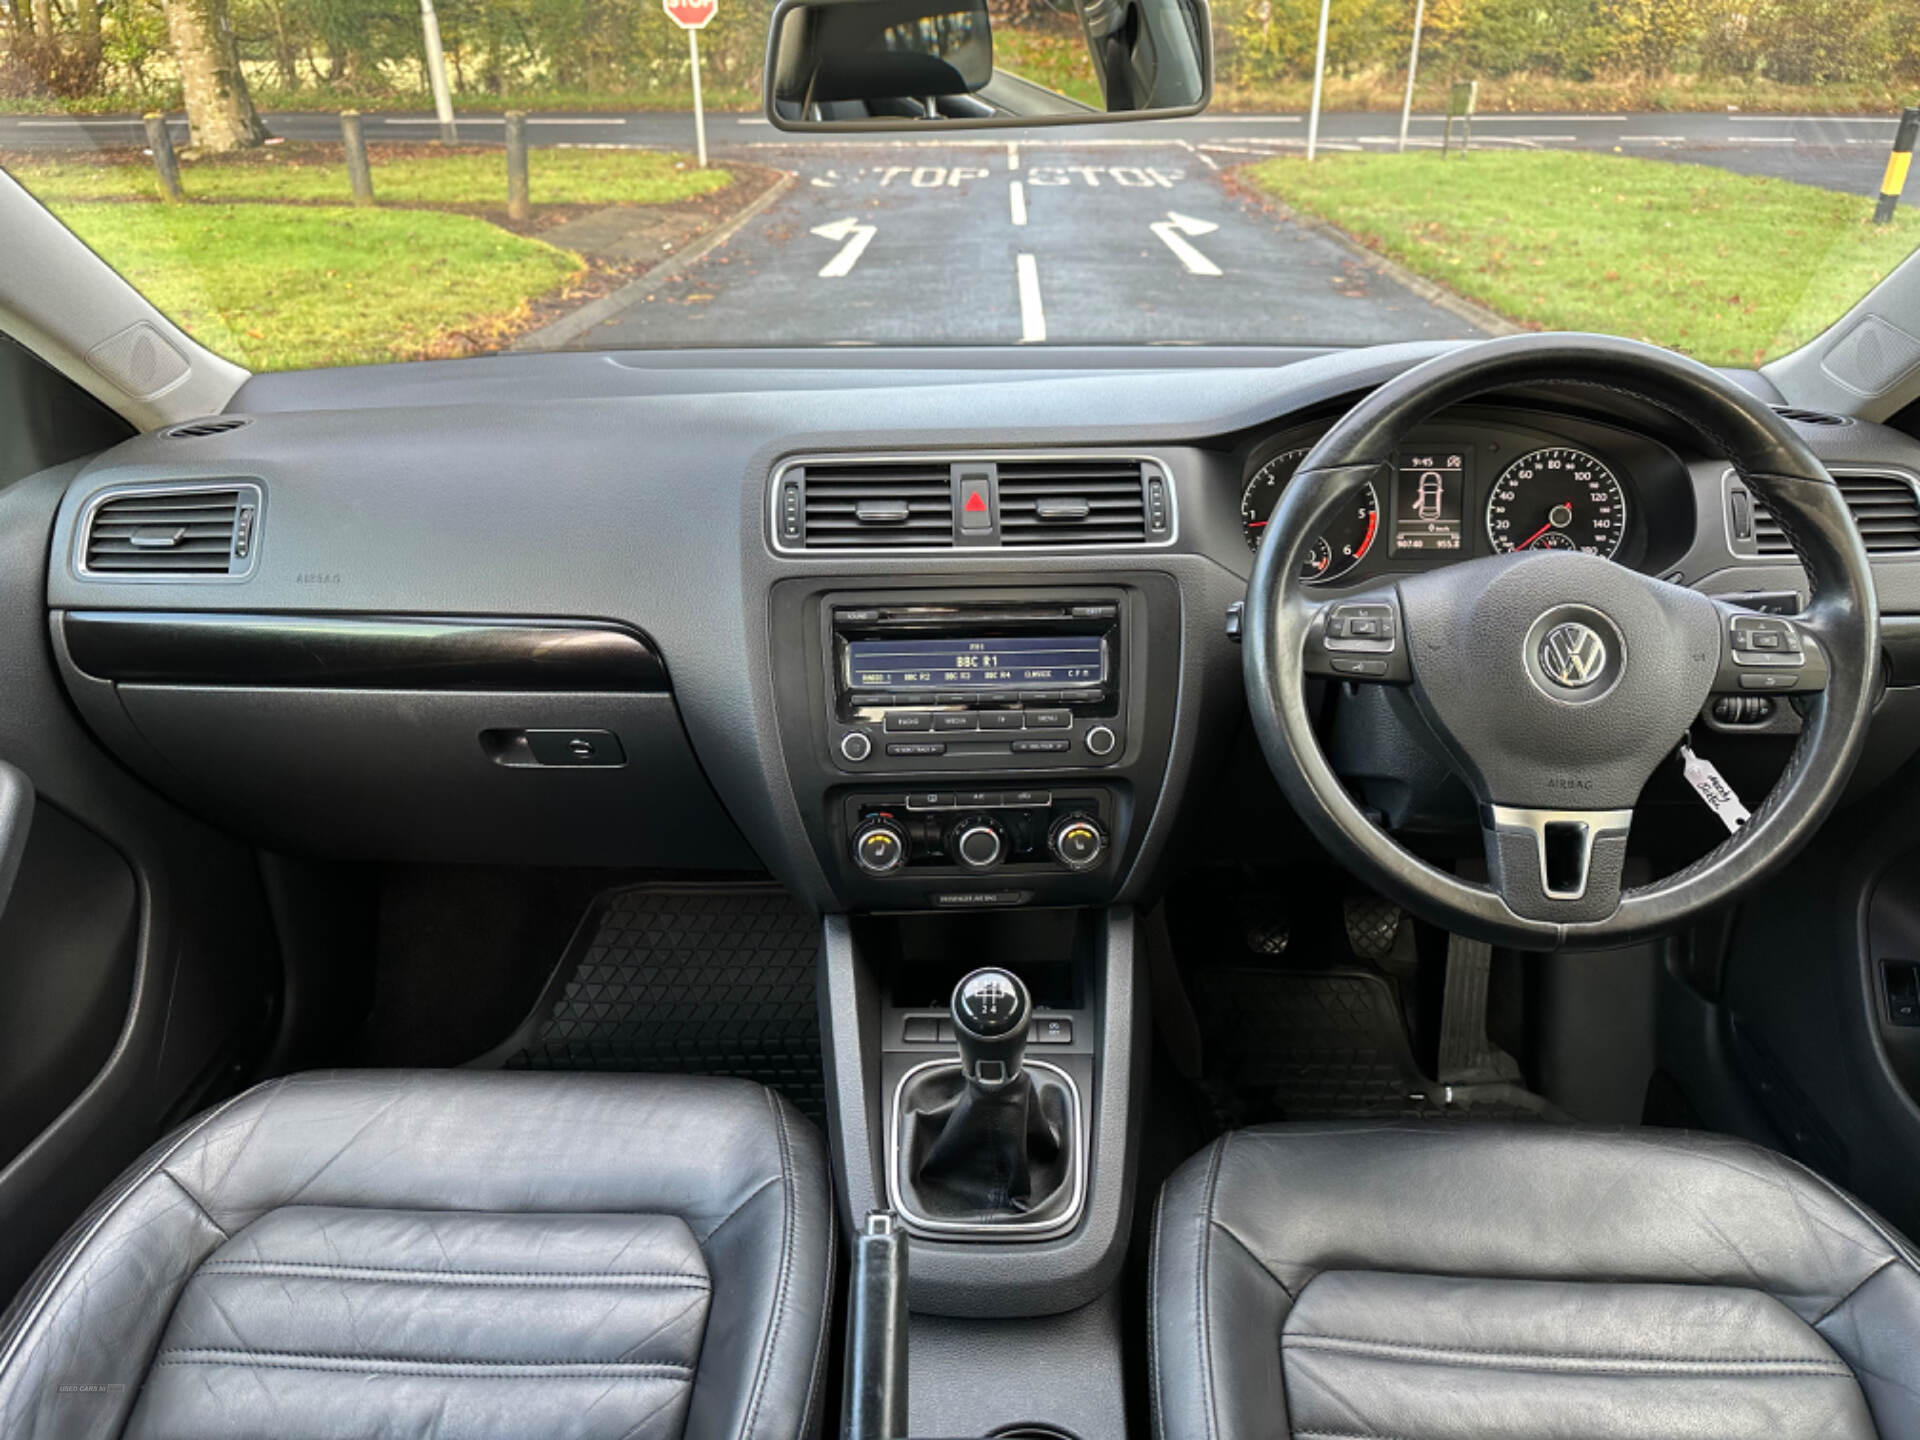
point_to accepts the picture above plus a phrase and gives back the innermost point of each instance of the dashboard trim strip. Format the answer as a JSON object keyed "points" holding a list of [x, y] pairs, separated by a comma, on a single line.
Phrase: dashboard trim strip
{"points": [[361, 651]]}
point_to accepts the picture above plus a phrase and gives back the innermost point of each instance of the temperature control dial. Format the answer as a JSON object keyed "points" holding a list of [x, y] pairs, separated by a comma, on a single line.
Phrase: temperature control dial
{"points": [[977, 843], [1078, 842], [879, 846]]}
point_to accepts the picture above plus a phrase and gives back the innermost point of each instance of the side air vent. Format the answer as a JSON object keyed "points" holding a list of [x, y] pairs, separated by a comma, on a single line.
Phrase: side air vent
{"points": [[1886, 512], [188, 532], [1808, 417], [881, 504], [200, 429], [1087, 501]]}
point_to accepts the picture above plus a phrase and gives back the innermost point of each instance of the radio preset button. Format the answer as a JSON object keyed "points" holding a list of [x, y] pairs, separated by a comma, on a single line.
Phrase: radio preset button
{"points": [[855, 746], [1000, 719], [1048, 719], [910, 720], [1033, 747]]}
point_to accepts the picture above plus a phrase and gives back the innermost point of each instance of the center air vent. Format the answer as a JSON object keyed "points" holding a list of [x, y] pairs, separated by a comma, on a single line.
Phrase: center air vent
{"points": [[1089, 501], [1886, 512], [883, 504], [973, 501], [169, 531]]}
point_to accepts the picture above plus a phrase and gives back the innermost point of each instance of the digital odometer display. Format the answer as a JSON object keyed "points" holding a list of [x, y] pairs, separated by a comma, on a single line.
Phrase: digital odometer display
{"points": [[994, 663], [1428, 498]]}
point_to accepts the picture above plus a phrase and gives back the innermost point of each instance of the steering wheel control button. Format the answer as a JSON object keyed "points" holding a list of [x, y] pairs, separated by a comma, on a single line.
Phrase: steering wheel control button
{"points": [[1101, 740], [880, 847], [1361, 669], [1078, 842], [1765, 640], [855, 746], [1765, 680], [1363, 625]]}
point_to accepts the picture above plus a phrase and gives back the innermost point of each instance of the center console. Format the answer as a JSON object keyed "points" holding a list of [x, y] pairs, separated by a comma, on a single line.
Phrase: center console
{"points": [[956, 745]]}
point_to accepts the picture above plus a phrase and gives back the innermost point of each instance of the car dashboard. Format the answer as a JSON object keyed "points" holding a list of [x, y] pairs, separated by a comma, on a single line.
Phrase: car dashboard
{"points": [[908, 631]]}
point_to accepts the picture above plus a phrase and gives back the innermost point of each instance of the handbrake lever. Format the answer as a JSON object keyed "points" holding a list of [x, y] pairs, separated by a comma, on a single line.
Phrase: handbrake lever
{"points": [[875, 1403]]}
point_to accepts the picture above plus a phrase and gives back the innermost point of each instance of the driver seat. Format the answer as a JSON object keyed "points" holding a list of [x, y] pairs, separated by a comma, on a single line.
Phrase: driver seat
{"points": [[1434, 1281]]}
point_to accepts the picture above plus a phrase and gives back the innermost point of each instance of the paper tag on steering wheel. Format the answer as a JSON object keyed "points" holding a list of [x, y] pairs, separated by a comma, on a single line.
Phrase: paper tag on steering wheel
{"points": [[1711, 786]]}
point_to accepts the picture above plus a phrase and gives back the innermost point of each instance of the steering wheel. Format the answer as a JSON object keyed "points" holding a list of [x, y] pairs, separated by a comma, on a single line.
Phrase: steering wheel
{"points": [[1557, 682]]}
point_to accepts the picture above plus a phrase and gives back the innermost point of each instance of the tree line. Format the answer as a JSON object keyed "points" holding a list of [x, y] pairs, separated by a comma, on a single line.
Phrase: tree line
{"points": [[217, 54]]}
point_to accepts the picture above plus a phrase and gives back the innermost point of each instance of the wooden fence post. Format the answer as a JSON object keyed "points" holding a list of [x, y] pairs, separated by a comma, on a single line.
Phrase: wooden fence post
{"points": [[519, 207], [359, 172], [165, 163]]}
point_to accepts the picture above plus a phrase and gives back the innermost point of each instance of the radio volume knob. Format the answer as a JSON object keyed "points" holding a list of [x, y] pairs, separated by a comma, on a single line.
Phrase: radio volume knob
{"points": [[855, 746], [1101, 740], [1078, 842], [879, 846]]}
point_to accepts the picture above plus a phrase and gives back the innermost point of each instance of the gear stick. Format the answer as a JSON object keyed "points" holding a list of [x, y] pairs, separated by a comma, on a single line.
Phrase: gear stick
{"points": [[988, 1141], [991, 1011]]}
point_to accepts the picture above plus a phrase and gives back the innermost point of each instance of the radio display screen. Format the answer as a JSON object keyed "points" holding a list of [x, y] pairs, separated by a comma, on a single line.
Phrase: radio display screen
{"points": [[997, 662]]}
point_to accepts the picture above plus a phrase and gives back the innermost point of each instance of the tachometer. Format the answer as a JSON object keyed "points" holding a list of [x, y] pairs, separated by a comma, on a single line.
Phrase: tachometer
{"points": [[1348, 537], [1557, 499]]}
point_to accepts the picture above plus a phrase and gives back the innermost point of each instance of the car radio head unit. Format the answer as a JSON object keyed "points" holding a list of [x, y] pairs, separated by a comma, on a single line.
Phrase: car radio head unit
{"points": [[946, 682]]}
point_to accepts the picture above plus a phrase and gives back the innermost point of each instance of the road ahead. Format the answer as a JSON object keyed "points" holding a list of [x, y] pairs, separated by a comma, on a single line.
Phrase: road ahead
{"points": [[994, 242], [1840, 152]]}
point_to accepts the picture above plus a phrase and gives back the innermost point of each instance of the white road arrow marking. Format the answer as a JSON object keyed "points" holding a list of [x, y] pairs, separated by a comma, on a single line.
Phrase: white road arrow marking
{"points": [[857, 236], [1173, 232]]}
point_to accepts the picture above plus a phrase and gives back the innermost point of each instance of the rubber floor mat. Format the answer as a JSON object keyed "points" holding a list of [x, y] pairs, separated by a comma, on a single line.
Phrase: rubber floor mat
{"points": [[703, 980], [1307, 1045]]}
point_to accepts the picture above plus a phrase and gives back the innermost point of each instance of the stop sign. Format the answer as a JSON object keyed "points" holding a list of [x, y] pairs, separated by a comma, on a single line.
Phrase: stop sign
{"points": [[690, 14]]}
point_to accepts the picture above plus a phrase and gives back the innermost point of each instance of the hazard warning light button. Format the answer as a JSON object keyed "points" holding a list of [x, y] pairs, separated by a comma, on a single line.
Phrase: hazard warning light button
{"points": [[976, 500]]}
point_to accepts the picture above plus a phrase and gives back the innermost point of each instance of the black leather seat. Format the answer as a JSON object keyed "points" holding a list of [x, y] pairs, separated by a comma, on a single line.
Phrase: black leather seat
{"points": [[443, 1253], [1492, 1282]]}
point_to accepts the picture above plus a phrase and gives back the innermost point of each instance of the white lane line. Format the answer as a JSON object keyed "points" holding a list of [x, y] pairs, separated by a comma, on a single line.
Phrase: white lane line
{"points": [[429, 120], [1017, 201], [1813, 120], [1033, 320], [1243, 120], [1013, 155], [857, 236], [1173, 232], [83, 124], [1767, 140], [1652, 140], [574, 120], [1198, 154]]}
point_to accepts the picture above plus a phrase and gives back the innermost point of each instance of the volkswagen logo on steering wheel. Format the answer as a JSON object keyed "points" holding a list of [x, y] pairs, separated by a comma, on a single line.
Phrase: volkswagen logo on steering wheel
{"points": [[1573, 655]]}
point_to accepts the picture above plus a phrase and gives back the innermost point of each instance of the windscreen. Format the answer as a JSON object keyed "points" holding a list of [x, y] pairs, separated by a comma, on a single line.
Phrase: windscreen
{"points": [[366, 181]]}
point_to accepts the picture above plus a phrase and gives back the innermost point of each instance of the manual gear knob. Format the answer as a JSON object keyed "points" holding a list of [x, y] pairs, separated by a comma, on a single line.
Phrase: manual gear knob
{"points": [[991, 1012]]}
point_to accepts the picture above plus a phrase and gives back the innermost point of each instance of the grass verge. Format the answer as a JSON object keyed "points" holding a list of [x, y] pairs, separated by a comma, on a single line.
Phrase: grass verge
{"points": [[277, 287], [402, 175], [1732, 269]]}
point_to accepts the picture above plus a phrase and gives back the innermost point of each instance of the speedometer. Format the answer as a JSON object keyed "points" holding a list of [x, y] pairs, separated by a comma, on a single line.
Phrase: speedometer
{"points": [[1557, 499], [1348, 537]]}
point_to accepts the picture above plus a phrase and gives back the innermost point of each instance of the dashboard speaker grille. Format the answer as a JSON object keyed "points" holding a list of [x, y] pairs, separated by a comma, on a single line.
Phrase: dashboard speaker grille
{"points": [[172, 530], [882, 504], [1090, 501], [1886, 512]]}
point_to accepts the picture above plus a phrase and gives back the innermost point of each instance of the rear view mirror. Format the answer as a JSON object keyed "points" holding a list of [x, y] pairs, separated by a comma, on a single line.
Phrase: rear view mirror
{"points": [[904, 64]]}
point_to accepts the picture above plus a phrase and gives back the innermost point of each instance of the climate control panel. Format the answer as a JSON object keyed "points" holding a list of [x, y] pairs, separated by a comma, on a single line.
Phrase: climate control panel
{"points": [[970, 832]]}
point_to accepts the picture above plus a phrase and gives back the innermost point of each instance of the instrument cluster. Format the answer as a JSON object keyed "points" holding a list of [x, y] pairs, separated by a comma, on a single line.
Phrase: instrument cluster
{"points": [[1483, 484]]}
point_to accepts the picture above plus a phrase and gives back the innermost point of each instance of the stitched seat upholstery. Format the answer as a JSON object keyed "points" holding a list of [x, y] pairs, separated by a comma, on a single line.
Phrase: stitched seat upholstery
{"points": [[1507, 1282], [443, 1254]]}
